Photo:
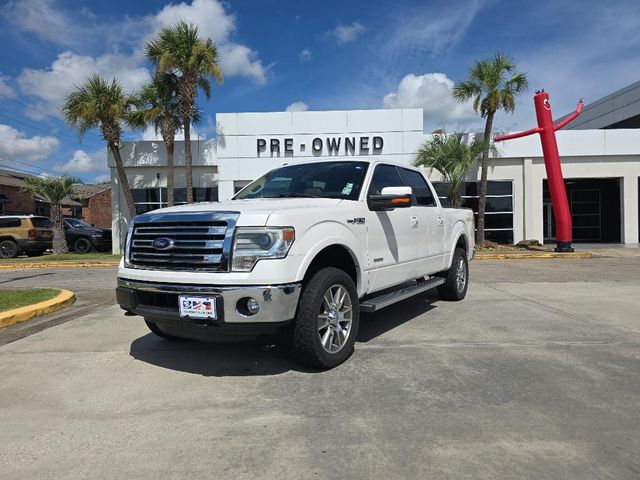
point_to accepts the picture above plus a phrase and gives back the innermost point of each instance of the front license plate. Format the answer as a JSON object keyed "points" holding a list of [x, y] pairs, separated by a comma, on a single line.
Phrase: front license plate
{"points": [[197, 307]]}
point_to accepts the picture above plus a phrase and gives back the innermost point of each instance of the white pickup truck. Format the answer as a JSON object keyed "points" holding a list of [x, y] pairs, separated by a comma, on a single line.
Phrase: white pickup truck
{"points": [[301, 251]]}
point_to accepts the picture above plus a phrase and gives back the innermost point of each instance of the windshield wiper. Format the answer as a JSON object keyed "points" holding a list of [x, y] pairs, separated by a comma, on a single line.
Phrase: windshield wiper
{"points": [[294, 195]]}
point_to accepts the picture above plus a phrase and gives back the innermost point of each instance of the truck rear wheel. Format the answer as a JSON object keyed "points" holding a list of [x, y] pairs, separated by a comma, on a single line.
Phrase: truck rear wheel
{"points": [[456, 278], [327, 319]]}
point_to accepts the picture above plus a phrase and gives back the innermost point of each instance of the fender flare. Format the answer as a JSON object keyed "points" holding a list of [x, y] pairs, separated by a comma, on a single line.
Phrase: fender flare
{"points": [[458, 231]]}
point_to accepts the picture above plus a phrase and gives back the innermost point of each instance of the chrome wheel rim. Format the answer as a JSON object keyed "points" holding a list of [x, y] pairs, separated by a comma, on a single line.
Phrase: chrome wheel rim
{"points": [[461, 275], [335, 318]]}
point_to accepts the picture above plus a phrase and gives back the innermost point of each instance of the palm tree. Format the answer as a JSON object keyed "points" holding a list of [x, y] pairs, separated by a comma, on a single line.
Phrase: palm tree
{"points": [[179, 49], [54, 190], [452, 157], [493, 84], [158, 105], [104, 105]]}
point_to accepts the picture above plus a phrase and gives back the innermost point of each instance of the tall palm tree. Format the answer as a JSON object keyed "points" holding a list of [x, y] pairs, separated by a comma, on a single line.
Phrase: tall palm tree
{"points": [[104, 105], [493, 84], [450, 155], [159, 106], [54, 190], [179, 49]]}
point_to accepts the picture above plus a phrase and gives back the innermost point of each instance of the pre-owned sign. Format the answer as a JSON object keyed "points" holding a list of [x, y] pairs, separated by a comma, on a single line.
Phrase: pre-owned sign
{"points": [[364, 145]]}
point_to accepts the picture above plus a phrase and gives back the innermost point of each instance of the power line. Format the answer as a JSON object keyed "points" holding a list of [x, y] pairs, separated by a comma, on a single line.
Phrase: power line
{"points": [[34, 151], [42, 113], [30, 165], [67, 139]]}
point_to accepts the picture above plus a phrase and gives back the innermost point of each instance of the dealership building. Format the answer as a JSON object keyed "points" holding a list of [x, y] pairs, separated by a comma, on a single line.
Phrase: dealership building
{"points": [[600, 155]]}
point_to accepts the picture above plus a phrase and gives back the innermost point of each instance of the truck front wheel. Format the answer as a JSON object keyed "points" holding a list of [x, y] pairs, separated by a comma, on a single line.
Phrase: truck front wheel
{"points": [[327, 319]]}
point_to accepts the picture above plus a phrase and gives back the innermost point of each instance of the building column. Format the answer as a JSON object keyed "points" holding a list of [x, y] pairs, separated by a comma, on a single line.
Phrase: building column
{"points": [[225, 190], [527, 200], [630, 209]]}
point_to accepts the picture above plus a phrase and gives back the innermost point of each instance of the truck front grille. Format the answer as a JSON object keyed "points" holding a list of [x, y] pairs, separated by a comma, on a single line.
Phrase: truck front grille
{"points": [[198, 242]]}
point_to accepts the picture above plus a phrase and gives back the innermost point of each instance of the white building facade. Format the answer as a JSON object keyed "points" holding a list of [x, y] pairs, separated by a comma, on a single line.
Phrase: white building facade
{"points": [[602, 169]]}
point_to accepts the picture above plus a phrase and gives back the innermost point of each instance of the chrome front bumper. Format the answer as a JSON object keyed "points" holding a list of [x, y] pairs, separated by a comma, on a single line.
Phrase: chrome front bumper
{"points": [[278, 303]]}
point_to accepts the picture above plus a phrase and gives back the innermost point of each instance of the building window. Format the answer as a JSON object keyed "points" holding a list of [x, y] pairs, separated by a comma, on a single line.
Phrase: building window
{"points": [[498, 218], [148, 199]]}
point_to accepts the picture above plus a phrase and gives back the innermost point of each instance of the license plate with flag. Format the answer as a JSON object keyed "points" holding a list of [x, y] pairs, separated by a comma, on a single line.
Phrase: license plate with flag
{"points": [[197, 307]]}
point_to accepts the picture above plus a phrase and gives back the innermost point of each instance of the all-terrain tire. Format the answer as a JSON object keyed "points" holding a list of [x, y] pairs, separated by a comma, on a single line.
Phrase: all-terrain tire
{"points": [[456, 278], [307, 333], [9, 249], [153, 326]]}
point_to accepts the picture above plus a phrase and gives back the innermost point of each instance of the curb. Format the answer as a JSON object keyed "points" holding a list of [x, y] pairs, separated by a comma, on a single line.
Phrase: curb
{"points": [[530, 255], [8, 266], [63, 299]]}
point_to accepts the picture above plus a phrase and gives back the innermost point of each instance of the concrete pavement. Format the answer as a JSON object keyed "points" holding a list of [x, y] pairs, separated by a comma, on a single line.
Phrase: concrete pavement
{"points": [[535, 375]]}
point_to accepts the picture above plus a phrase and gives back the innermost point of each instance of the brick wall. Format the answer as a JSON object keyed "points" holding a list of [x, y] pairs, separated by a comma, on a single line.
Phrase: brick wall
{"points": [[19, 200], [98, 210]]}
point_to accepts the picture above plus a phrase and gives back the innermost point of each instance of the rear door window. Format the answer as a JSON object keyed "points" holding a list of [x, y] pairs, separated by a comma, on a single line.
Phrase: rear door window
{"points": [[41, 222]]}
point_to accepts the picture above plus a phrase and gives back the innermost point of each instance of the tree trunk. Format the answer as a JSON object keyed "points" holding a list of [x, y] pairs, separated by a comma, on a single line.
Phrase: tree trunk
{"points": [[122, 178], [187, 157], [170, 197], [59, 245], [482, 200]]}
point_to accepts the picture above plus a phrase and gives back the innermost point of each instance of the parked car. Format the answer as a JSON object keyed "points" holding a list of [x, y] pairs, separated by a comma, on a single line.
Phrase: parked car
{"points": [[301, 251], [82, 237], [24, 234]]}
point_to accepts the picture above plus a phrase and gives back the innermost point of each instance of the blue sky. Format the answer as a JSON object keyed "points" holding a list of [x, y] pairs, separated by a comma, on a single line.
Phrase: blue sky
{"points": [[279, 55]]}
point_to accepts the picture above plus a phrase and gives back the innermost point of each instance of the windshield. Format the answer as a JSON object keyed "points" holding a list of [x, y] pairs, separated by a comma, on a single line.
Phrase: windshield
{"points": [[75, 223], [314, 180]]}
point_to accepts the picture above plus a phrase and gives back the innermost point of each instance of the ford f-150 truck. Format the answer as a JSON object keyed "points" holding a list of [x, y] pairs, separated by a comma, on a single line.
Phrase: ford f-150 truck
{"points": [[301, 251]]}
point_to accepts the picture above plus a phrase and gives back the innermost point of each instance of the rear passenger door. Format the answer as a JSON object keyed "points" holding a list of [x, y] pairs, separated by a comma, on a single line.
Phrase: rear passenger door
{"points": [[430, 228]]}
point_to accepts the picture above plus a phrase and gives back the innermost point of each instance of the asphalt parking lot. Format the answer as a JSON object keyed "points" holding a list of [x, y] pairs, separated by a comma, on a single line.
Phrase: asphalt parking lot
{"points": [[535, 375]]}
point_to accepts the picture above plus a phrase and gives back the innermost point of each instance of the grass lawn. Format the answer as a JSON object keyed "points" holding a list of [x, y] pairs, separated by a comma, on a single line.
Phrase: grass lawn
{"points": [[10, 299], [73, 257]]}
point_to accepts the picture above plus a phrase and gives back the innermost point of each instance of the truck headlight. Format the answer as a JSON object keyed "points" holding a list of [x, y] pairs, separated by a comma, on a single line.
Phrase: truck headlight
{"points": [[252, 244]]}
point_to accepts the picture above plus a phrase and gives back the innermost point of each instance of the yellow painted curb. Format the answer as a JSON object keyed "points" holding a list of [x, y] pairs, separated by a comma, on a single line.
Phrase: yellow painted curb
{"points": [[531, 255], [8, 266], [64, 298]]}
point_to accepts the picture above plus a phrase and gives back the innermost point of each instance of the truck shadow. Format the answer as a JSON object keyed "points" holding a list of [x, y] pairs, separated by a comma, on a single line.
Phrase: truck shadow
{"points": [[228, 359], [373, 325], [265, 356]]}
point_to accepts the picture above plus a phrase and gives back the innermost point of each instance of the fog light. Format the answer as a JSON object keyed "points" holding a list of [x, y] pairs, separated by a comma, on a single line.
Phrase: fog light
{"points": [[248, 306], [253, 306]]}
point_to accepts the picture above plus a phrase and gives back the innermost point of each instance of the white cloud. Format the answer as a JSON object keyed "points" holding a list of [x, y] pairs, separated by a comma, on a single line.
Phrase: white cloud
{"points": [[305, 55], [5, 88], [347, 33], [82, 162], [432, 93], [42, 18], [218, 24], [297, 107], [15, 144], [69, 70], [103, 178]]}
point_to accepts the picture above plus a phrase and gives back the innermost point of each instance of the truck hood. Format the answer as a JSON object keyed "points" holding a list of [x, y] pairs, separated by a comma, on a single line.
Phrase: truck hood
{"points": [[254, 212]]}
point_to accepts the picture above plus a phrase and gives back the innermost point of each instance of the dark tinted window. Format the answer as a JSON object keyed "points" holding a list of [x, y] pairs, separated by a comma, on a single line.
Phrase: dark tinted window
{"points": [[326, 180], [41, 222], [9, 222], [384, 176], [421, 189]]}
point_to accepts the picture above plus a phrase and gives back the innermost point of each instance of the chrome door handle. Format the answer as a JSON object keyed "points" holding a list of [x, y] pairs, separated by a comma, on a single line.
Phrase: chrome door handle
{"points": [[440, 220], [414, 222]]}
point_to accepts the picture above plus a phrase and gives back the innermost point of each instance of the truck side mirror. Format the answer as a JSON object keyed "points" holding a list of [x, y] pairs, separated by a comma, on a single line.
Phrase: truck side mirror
{"points": [[390, 198]]}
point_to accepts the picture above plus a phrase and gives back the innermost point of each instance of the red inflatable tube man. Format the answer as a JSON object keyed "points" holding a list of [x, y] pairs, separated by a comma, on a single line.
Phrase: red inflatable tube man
{"points": [[547, 131]]}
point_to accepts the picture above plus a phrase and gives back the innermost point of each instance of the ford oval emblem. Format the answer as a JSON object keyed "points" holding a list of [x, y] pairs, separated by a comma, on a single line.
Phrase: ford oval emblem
{"points": [[163, 243]]}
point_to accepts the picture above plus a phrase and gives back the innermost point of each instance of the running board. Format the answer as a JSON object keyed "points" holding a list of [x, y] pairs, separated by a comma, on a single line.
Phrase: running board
{"points": [[374, 304]]}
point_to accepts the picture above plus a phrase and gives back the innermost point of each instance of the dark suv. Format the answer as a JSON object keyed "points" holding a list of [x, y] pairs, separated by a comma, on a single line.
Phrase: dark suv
{"points": [[82, 237]]}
